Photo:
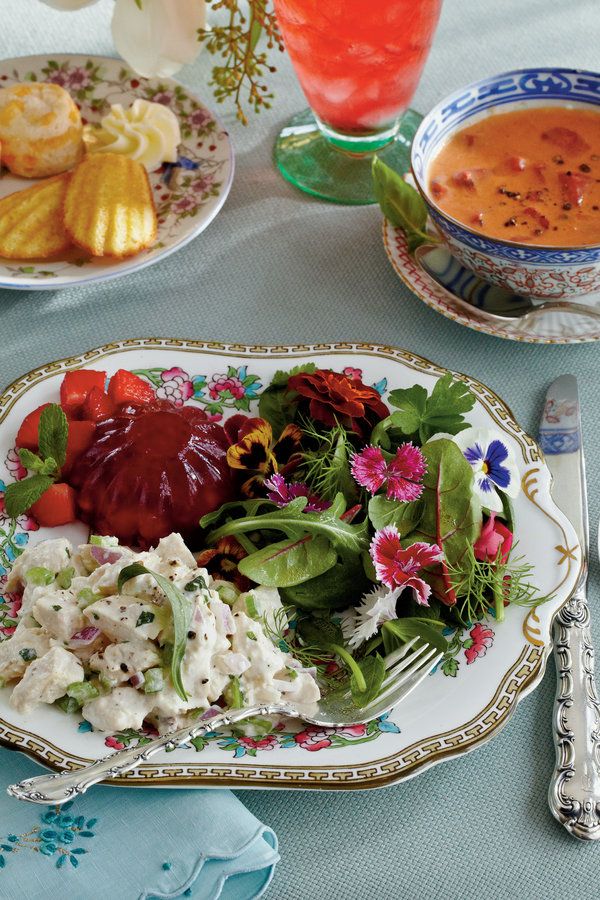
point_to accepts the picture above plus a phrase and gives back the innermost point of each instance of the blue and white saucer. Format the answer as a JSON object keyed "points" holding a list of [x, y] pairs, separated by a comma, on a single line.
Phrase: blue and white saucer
{"points": [[438, 279]]}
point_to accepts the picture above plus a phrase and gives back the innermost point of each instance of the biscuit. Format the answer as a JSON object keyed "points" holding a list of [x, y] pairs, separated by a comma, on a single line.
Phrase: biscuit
{"points": [[108, 208], [31, 221], [40, 130]]}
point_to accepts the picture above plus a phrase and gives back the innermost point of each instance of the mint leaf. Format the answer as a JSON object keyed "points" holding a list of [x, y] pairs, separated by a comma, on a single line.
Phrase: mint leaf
{"points": [[53, 432], [181, 607], [21, 495], [49, 467], [401, 204], [30, 460]]}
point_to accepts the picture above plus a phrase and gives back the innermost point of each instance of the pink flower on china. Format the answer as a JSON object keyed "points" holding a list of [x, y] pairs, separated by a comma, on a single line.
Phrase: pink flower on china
{"points": [[177, 386], [112, 742], [399, 567], [218, 384], [315, 738], [281, 492], [13, 602], [184, 204], [401, 476], [59, 78], [267, 743], [14, 465], [78, 78], [353, 373], [482, 638], [202, 184], [165, 97], [199, 118]]}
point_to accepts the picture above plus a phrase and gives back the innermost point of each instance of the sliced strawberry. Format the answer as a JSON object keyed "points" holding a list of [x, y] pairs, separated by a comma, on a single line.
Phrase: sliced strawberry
{"points": [[56, 506], [76, 387], [125, 387], [27, 435], [567, 139], [79, 439], [98, 405], [574, 186]]}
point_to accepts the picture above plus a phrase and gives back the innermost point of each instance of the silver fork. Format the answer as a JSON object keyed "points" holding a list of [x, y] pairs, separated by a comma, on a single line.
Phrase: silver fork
{"points": [[405, 670]]}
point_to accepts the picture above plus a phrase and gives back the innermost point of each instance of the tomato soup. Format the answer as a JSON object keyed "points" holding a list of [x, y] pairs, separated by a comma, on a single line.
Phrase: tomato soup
{"points": [[530, 176]]}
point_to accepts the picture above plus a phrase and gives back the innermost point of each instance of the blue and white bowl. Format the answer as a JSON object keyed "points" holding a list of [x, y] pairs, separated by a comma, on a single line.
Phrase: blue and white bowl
{"points": [[533, 271]]}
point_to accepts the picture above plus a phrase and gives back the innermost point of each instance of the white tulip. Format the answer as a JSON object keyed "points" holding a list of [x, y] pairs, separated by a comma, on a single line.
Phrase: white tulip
{"points": [[69, 4], [159, 38]]}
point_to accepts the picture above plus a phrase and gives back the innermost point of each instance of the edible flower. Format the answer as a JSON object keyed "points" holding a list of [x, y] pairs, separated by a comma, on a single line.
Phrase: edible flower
{"points": [[333, 397], [493, 462], [282, 492], [401, 475], [221, 561], [376, 607], [399, 567], [256, 452], [494, 537]]}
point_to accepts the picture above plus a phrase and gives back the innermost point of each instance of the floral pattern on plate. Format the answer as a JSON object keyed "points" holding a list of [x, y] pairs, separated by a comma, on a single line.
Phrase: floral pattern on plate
{"points": [[188, 194]]}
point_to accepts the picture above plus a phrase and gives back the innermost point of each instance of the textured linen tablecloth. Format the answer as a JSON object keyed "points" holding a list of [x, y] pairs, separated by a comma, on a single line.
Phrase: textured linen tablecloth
{"points": [[277, 266]]}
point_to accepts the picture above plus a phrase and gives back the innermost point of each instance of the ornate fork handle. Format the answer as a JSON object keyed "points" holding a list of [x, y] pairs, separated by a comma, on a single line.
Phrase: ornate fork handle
{"points": [[574, 794], [63, 786]]}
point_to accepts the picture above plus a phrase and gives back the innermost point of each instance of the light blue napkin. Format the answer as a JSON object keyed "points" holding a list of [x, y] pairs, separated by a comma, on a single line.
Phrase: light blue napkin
{"points": [[130, 844]]}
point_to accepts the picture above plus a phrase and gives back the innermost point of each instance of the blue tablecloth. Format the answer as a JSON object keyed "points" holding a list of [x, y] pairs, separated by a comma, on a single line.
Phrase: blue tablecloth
{"points": [[277, 266]]}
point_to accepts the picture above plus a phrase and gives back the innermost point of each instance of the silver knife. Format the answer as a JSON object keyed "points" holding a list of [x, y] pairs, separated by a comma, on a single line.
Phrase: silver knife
{"points": [[574, 793]]}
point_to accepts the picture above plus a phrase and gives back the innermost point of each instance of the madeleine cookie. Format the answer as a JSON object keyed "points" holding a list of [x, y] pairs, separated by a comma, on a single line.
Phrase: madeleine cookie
{"points": [[31, 221], [108, 209], [40, 130]]}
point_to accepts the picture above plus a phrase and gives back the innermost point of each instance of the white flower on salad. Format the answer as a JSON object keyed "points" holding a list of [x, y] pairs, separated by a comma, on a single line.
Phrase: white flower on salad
{"points": [[362, 622]]}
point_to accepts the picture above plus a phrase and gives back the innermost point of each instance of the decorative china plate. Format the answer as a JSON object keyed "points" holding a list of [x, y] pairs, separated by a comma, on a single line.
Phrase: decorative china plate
{"points": [[188, 194], [476, 297], [488, 669]]}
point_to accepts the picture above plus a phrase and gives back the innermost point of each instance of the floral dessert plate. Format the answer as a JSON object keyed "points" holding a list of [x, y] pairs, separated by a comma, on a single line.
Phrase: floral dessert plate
{"points": [[445, 285], [188, 194], [489, 666]]}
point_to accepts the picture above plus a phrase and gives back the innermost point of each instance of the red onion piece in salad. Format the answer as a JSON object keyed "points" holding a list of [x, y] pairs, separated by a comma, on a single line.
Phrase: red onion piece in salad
{"points": [[102, 555], [211, 712], [85, 637], [137, 679]]}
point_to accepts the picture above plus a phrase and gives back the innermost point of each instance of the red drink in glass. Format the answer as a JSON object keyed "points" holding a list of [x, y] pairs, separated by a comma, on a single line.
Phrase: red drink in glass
{"points": [[358, 61]]}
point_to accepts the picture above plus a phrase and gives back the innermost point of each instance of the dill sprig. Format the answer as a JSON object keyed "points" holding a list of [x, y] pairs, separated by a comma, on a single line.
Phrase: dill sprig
{"points": [[326, 468], [480, 584], [283, 634], [243, 66]]}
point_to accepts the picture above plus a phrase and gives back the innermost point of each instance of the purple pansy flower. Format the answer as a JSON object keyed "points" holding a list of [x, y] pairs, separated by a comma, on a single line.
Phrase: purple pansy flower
{"points": [[493, 463]]}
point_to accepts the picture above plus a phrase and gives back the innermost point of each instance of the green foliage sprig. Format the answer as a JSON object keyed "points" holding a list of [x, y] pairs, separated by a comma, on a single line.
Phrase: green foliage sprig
{"points": [[241, 73]]}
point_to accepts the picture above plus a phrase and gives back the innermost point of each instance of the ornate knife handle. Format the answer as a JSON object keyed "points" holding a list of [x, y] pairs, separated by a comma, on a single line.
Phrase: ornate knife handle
{"points": [[63, 786], [574, 793]]}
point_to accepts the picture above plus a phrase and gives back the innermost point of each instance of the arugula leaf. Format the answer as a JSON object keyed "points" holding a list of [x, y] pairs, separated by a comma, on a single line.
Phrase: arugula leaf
{"points": [[181, 607], [421, 415], [451, 515], [295, 524], [53, 432], [401, 204], [373, 672], [289, 562], [244, 507], [396, 632], [405, 516], [21, 495]]}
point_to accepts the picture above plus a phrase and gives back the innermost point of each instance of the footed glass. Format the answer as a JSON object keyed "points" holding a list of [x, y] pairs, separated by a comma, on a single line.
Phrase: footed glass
{"points": [[358, 63]]}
